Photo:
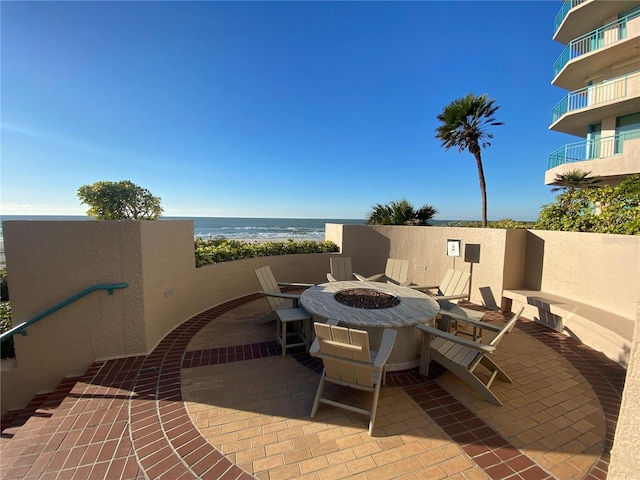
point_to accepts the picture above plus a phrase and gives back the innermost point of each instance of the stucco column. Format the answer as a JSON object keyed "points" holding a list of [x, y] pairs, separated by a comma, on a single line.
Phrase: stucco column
{"points": [[625, 454]]}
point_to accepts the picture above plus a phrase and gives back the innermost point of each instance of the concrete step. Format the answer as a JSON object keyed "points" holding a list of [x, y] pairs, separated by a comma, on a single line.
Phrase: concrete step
{"points": [[25, 432]]}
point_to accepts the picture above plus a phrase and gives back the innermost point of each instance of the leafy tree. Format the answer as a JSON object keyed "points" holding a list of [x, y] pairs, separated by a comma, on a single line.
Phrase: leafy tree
{"points": [[122, 200], [607, 209], [464, 124], [400, 212], [574, 179]]}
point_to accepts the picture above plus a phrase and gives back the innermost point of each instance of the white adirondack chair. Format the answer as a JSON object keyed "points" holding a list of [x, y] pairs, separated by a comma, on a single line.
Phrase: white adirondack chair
{"points": [[462, 356], [340, 269], [453, 287], [287, 310], [396, 271], [349, 362]]}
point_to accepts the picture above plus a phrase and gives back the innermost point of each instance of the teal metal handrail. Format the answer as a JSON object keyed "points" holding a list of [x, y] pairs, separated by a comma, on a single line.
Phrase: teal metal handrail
{"points": [[592, 95], [595, 40], [564, 10], [21, 329]]}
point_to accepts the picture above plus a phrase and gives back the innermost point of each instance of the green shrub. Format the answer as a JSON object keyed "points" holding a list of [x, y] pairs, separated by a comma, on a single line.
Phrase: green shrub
{"points": [[4, 289], [504, 223], [223, 250], [6, 346], [606, 209]]}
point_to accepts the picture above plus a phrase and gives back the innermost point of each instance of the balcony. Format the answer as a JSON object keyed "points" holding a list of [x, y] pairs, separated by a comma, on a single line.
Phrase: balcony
{"points": [[611, 98], [612, 158], [579, 16], [611, 46]]}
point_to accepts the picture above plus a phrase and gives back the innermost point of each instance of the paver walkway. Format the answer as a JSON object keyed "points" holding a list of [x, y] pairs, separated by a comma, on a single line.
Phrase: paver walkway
{"points": [[216, 399]]}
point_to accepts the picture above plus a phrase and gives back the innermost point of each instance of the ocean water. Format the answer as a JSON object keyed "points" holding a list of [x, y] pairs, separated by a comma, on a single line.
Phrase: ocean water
{"points": [[262, 229], [251, 229]]}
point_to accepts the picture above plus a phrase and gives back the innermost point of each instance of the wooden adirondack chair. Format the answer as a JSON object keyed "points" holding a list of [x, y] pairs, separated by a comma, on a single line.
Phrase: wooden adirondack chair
{"points": [[340, 269], [287, 310], [462, 356], [396, 271], [453, 287], [349, 362]]}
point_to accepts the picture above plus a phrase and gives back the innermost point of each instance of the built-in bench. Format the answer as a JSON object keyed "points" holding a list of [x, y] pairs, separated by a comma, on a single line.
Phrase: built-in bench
{"points": [[608, 332]]}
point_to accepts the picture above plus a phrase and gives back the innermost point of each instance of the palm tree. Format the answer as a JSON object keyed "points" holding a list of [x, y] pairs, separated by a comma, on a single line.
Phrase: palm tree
{"points": [[464, 125], [573, 180], [400, 212]]}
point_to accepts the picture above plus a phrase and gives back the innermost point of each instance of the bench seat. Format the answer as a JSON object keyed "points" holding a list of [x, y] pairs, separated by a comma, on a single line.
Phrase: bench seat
{"points": [[603, 330]]}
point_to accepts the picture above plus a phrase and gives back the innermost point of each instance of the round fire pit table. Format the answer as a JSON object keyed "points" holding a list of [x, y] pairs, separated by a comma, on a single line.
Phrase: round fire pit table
{"points": [[390, 306]]}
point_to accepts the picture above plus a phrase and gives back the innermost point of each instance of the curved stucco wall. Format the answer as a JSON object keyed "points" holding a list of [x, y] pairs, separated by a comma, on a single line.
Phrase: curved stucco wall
{"points": [[483, 254], [50, 261]]}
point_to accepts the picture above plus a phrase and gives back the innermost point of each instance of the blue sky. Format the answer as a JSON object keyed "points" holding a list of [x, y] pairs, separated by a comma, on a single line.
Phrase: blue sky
{"points": [[274, 109]]}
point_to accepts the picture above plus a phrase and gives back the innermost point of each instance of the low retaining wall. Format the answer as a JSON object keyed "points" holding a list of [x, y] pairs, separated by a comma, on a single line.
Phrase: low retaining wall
{"points": [[49, 261]]}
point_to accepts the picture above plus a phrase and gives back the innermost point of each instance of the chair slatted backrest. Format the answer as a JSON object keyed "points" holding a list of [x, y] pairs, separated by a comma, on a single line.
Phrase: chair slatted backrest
{"points": [[397, 270], [341, 268], [345, 354], [269, 284], [455, 282]]}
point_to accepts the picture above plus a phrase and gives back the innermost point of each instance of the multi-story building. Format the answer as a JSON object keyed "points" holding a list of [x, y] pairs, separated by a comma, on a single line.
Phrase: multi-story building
{"points": [[600, 69]]}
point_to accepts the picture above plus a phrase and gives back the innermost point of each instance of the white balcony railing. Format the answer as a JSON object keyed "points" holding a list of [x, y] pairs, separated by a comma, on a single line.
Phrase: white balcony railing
{"points": [[613, 89]]}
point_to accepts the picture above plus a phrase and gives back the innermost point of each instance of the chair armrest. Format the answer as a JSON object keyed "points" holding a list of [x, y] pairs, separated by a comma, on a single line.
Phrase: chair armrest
{"points": [[295, 298], [331, 278], [481, 347], [475, 323], [372, 278], [461, 317], [292, 296], [386, 345], [421, 287], [295, 284], [440, 298]]}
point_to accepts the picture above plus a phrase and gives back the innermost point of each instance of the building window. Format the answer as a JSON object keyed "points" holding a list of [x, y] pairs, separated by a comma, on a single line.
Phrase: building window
{"points": [[627, 128]]}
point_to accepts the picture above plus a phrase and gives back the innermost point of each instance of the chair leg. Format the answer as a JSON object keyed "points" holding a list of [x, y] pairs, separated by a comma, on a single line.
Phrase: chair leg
{"points": [[374, 405], [284, 339], [308, 328], [316, 402]]}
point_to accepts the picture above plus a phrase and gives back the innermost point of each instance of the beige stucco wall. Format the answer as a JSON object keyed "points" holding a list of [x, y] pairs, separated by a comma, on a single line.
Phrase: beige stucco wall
{"points": [[48, 262], [596, 269], [425, 248], [625, 453]]}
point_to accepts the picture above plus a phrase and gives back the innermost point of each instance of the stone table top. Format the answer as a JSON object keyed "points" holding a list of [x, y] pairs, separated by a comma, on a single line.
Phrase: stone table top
{"points": [[414, 308]]}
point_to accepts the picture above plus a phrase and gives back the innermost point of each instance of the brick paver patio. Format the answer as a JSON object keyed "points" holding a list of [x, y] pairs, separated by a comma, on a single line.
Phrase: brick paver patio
{"points": [[215, 399]]}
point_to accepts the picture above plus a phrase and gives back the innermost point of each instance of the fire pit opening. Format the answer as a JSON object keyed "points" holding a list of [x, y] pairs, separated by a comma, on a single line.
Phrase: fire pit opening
{"points": [[366, 298]]}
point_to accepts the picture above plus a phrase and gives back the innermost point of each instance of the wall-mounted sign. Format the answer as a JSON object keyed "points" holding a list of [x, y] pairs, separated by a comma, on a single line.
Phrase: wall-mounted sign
{"points": [[454, 247]]}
